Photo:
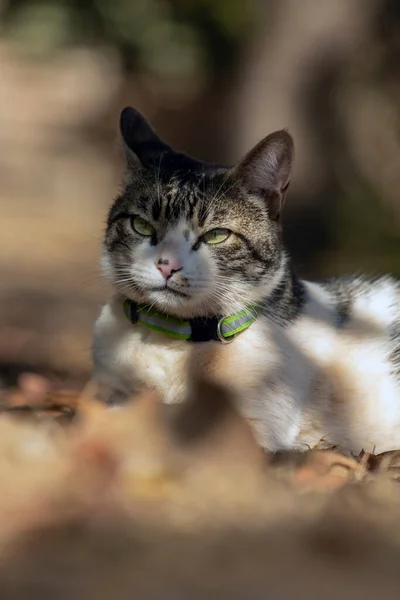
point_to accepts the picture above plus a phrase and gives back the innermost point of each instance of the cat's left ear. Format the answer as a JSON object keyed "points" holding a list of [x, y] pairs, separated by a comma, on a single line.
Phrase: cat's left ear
{"points": [[141, 141], [145, 149], [266, 169]]}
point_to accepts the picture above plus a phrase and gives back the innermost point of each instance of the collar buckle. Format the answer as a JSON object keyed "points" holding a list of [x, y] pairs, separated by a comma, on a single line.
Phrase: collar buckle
{"points": [[220, 336]]}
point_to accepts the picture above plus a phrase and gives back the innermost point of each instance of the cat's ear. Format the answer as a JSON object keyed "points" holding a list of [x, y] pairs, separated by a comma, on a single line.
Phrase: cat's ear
{"points": [[143, 147], [266, 169]]}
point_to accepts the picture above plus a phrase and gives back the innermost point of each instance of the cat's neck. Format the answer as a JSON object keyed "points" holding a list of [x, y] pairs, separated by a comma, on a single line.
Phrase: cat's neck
{"points": [[286, 301]]}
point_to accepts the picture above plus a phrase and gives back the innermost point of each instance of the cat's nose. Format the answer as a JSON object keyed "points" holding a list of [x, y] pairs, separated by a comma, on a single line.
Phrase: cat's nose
{"points": [[168, 265]]}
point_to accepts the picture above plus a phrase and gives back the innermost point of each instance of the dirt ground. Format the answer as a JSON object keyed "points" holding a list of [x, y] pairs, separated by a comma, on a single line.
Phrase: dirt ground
{"points": [[153, 502]]}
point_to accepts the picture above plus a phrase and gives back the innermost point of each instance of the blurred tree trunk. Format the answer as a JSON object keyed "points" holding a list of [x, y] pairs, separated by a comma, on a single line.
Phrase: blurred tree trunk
{"points": [[290, 77], [298, 50]]}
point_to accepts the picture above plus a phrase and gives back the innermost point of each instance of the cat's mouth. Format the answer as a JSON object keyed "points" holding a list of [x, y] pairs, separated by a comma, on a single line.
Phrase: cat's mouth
{"points": [[169, 291]]}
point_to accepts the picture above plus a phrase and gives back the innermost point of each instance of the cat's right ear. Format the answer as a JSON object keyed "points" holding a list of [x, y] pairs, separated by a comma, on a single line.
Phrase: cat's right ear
{"points": [[266, 170], [143, 147]]}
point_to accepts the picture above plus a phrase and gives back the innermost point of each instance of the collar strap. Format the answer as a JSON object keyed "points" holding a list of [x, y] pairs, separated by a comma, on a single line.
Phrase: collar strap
{"points": [[200, 329]]}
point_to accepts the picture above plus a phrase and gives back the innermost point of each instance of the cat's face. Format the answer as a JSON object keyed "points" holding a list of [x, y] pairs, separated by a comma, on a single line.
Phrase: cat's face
{"points": [[191, 239]]}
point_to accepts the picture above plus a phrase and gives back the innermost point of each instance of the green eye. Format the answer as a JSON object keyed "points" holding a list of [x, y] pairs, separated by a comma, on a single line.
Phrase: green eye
{"points": [[216, 236], [142, 227]]}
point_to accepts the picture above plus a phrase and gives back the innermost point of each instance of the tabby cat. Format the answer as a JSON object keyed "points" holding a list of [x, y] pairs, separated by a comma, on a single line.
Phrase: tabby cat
{"points": [[202, 280]]}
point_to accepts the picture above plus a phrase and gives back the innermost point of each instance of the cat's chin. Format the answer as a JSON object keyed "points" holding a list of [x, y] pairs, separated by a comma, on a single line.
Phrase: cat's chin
{"points": [[171, 302], [177, 304]]}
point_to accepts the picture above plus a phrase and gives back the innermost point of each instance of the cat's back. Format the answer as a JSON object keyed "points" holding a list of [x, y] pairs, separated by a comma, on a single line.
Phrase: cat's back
{"points": [[373, 302], [356, 320], [351, 330]]}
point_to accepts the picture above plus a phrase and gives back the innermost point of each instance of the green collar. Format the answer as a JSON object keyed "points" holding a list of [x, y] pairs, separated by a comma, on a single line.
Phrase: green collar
{"points": [[200, 329]]}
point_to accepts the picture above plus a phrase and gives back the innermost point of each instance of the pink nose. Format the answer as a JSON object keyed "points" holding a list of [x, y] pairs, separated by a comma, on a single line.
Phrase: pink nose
{"points": [[168, 265]]}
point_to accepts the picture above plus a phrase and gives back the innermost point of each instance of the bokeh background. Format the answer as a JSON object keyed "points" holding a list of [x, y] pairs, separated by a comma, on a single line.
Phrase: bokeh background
{"points": [[213, 76]]}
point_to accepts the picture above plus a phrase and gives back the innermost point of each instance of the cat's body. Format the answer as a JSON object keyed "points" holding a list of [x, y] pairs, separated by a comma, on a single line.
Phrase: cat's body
{"points": [[320, 361], [320, 376]]}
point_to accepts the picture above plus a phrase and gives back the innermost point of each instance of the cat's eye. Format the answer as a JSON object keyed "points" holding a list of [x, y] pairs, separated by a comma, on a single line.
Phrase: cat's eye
{"points": [[216, 236], [142, 226]]}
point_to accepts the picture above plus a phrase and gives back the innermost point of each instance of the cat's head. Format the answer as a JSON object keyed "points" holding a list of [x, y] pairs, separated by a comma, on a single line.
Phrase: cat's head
{"points": [[194, 239]]}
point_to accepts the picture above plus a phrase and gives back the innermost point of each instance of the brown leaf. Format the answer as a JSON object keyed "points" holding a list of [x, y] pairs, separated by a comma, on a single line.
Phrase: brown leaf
{"points": [[325, 470]]}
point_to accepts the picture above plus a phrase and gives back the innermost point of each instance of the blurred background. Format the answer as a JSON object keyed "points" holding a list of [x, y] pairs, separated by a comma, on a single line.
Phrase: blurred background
{"points": [[213, 76]]}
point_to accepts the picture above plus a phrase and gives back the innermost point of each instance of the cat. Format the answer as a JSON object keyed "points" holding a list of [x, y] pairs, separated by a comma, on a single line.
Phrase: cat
{"points": [[195, 255]]}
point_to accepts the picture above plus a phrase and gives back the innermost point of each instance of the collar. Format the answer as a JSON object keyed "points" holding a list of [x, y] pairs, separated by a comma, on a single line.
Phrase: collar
{"points": [[199, 329]]}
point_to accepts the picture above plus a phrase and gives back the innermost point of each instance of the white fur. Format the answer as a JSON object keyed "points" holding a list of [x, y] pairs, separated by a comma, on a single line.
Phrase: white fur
{"points": [[297, 385]]}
